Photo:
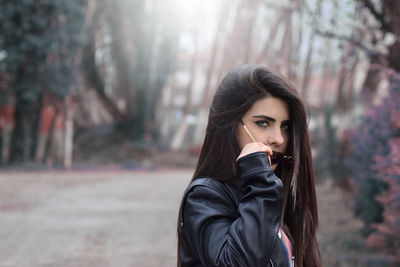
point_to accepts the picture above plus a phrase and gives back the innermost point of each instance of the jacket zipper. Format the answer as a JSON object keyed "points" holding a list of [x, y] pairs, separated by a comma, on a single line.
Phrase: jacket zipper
{"points": [[272, 263], [292, 262]]}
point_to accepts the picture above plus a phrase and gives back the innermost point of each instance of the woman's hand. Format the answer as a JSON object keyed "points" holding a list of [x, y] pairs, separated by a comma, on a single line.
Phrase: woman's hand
{"points": [[255, 147]]}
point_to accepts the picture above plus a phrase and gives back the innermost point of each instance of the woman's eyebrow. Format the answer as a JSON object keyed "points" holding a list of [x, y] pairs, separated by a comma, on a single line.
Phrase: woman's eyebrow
{"points": [[265, 117]]}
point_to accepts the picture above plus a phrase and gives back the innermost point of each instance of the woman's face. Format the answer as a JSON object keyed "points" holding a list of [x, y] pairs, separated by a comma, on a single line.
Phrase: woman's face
{"points": [[268, 121]]}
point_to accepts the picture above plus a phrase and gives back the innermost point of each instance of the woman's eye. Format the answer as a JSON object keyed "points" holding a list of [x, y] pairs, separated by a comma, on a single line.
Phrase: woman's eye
{"points": [[285, 127], [262, 123]]}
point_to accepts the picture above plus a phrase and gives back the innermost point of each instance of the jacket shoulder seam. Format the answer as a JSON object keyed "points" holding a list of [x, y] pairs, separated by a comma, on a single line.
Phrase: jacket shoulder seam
{"points": [[210, 183]]}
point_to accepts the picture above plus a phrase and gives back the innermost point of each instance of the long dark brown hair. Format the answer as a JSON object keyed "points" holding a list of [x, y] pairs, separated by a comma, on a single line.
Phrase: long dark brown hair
{"points": [[236, 94]]}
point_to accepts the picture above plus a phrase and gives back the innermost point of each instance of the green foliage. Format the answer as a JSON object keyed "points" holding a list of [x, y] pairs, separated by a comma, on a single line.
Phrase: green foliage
{"points": [[328, 162], [44, 43], [370, 142], [387, 233], [39, 40]]}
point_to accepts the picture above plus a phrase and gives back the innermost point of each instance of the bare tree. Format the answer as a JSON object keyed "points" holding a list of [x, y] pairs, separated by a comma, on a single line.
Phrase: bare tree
{"points": [[181, 133]]}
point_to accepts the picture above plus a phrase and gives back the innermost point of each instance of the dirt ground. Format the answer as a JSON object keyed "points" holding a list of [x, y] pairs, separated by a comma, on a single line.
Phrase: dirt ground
{"points": [[125, 218]]}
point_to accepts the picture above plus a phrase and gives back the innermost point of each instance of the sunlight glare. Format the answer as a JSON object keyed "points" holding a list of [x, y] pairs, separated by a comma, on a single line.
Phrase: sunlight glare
{"points": [[199, 17]]}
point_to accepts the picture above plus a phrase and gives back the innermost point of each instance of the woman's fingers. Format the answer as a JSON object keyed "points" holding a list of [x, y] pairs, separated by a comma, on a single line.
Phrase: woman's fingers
{"points": [[255, 147]]}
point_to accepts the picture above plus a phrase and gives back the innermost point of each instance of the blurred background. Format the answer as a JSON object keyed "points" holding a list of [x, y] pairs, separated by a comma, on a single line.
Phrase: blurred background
{"points": [[126, 85]]}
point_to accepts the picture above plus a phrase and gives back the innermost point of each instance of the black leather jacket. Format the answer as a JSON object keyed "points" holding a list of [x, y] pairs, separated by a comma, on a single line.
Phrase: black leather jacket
{"points": [[227, 225]]}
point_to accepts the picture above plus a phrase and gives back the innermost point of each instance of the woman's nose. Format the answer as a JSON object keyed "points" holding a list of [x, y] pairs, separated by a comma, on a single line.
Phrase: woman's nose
{"points": [[275, 137]]}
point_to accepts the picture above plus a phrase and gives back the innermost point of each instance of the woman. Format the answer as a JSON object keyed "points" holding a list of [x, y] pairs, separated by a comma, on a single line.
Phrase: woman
{"points": [[240, 210]]}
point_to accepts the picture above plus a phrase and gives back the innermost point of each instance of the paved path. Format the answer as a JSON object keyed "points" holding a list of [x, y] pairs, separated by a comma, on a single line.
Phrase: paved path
{"points": [[90, 218], [118, 219]]}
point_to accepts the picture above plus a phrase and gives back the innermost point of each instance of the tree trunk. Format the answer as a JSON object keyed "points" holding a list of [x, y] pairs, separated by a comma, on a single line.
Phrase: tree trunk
{"points": [[297, 31], [340, 97], [310, 51], [6, 143], [391, 10], [212, 61], [166, 116], [68, 132], [286, 45], [372, 80], [307, 68], [48, 155], [93, 79], [345, 88], [229, 51], [349, 99], [207, 92], [180, 134], [22, 136], [324, 90], [36, 123], [390, 23], [263, 56], [253, 6]]}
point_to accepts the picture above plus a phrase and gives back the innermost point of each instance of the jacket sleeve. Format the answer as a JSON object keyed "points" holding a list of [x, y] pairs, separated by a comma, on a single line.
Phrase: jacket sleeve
{"points": [[222, 236]]}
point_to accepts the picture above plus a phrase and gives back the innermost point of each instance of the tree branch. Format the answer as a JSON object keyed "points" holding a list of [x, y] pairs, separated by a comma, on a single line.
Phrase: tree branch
{"points": [[351, 40], [379, 16]]}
